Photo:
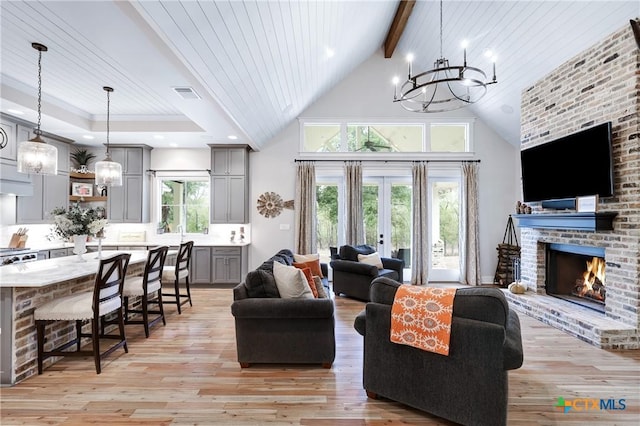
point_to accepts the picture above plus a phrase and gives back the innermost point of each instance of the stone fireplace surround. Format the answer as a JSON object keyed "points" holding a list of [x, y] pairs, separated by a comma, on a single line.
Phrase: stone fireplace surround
{"points": [[598, 85]]}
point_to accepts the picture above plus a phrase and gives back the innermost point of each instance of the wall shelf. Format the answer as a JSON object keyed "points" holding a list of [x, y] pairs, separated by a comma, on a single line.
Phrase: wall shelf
{"points": [[85, 198], [571, 221]]}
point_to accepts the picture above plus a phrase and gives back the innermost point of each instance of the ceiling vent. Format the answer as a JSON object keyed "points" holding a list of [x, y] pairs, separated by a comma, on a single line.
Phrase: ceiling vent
{"points": [[186, 92]]}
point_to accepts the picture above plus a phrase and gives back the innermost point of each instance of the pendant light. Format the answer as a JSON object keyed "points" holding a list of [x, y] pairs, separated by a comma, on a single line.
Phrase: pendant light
{"points": [[108, 172], [35, 156]]}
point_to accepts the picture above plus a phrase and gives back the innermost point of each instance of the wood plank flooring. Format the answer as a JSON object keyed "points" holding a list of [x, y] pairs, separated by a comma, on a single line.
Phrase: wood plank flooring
{"points": [[186, 373]]}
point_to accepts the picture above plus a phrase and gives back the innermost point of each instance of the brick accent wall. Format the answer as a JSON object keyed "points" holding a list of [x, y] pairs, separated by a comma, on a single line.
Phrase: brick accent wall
{"points": [[598, 85]]}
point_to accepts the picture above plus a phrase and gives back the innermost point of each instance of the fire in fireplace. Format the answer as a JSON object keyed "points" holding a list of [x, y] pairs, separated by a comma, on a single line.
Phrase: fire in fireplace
{"points": [[576, 274], [591, 285]]}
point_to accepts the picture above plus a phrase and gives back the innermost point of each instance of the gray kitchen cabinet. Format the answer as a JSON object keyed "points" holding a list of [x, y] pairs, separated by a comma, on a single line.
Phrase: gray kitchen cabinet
{"points": [[61, 252], [11, 181], [228, 199], [200, 272], [229, 184], [8, 138], [226, 265], [129, 203], [228, 161]]}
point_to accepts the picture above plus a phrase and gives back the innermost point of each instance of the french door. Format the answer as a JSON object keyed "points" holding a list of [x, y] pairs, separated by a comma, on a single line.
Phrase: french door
{"points": [[387, 216], [444, 225]]}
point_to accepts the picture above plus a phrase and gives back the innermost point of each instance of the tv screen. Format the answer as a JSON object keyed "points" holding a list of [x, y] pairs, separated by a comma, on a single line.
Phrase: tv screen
{"points": [[575, 165]]}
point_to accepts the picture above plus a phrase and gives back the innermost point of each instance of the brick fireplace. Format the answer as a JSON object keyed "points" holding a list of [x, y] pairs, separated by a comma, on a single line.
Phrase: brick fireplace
{"points": [[600, 84]]}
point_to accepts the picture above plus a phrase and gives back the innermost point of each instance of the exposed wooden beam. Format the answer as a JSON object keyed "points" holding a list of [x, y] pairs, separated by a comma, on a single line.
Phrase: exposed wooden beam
{"points": [[635, 26], [397, 27]]}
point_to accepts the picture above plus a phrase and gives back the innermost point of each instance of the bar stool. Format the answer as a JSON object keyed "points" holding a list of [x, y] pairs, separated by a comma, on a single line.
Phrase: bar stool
{"points": [[173, 274], [106, 298], [143, 287]]}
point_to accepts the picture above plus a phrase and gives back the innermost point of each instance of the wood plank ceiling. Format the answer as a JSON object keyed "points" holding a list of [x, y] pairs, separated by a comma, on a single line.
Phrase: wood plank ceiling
{"points": [[257, 65]]}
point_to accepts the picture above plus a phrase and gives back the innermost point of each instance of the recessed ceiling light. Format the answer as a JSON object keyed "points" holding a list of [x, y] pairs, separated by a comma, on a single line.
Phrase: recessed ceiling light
{"points": [[232, 137], [158, 137], [173, 145], [329, 52], [88, 137], [15, 111]]}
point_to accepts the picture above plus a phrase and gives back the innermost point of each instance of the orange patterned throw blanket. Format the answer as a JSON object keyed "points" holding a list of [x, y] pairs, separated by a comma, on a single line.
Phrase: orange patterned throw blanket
{"points": [[421, 317]]}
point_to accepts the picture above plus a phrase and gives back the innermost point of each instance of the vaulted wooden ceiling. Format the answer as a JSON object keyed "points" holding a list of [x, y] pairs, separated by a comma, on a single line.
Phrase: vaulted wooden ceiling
{"points": [[257, 65]]}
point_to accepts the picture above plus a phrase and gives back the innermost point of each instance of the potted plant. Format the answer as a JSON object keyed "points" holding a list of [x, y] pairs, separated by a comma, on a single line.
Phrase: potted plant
{"points": [[81, 158]]}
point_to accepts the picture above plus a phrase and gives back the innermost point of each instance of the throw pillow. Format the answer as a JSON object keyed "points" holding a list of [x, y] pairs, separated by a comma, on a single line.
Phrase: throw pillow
{"points": [[371, 259], [322, 294], [309, 277], [299, 258], [291, 282], [260, 283], [314, 265]]}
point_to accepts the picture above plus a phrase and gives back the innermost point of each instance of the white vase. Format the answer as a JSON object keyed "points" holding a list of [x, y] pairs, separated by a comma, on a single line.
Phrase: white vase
{"points": [[80, 246]]}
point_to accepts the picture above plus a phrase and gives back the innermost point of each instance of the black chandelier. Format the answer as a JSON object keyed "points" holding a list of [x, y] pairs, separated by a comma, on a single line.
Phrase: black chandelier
{"points": [[445, 87]]}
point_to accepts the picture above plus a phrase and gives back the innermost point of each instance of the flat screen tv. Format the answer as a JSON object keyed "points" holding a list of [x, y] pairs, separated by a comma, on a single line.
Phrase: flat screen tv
{"points": [[576, 165]]}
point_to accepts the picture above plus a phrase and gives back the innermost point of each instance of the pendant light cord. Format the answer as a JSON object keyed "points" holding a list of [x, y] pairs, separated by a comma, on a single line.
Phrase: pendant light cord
{"points": [[37, 131], [441, 29], [108, 109]]}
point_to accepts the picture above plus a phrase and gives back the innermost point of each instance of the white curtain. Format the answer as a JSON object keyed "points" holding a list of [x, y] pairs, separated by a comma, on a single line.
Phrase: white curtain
{"points": [[420, 248], [355, 219], [305, 208], [470, 252]]}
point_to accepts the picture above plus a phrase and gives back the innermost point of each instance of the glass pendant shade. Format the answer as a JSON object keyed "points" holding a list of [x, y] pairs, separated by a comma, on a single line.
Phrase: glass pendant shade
{"points": [[108, 172], [37, 157]]}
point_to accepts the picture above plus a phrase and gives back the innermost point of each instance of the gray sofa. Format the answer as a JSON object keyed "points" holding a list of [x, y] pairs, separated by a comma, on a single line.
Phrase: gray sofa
{"points": [[353, 278], [470, 385], [283, 331]]}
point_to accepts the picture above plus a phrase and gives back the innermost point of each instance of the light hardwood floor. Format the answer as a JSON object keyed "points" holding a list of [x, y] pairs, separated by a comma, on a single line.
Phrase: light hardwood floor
{"points": [[186, 373]]}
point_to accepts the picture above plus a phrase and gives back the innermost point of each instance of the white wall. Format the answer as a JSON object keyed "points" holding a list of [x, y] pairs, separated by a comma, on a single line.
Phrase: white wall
{"points": [[366, 94]]}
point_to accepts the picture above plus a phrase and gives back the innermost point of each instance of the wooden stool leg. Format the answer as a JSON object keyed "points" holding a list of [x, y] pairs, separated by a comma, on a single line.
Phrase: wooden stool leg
{"points": [[177, 286], [121, 327], [161, 308], [95, 336], [40, 325], [78, 334], [144, 302], [186, 281]]}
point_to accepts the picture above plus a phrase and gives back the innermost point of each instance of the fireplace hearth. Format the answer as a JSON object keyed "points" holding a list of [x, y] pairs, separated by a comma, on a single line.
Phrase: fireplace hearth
{"points": [[576, 274]]}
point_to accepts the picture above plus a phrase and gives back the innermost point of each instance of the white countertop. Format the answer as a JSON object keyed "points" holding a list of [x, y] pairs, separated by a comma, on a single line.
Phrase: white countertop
{"points": [[52, 271], [145, 244]]}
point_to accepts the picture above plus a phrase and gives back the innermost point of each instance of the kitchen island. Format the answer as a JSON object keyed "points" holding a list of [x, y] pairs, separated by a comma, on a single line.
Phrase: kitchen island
{"points": [[25, 286]]}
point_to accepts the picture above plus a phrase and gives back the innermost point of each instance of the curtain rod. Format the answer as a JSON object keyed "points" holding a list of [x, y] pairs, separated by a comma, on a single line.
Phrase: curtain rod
{"points": [[393, 161], [178, 170]]}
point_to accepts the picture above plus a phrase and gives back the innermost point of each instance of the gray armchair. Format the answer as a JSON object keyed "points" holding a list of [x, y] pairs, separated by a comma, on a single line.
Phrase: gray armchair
{"points": [[469, 386], [353, 278]]}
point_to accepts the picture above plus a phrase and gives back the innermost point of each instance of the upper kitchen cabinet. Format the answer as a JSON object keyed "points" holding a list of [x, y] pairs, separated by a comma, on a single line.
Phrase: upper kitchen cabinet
{"points": [[229, 161], [49, 191], [229, 184], [129, 203], [11, 182]]}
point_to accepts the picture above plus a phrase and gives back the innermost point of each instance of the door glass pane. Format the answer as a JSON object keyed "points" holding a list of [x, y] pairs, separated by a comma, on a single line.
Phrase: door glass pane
{"points": [[321, 138], [370, 214], [445, 229], [327, 216], [401, 222], [448, 137]]}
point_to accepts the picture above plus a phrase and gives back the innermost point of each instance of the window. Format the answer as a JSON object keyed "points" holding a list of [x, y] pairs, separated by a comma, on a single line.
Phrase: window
{"points": [[184, 205], [441, 137]]}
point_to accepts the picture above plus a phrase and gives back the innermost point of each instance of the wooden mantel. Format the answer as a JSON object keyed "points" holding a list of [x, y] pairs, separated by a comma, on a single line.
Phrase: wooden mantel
{"points": [[571, 221]]}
